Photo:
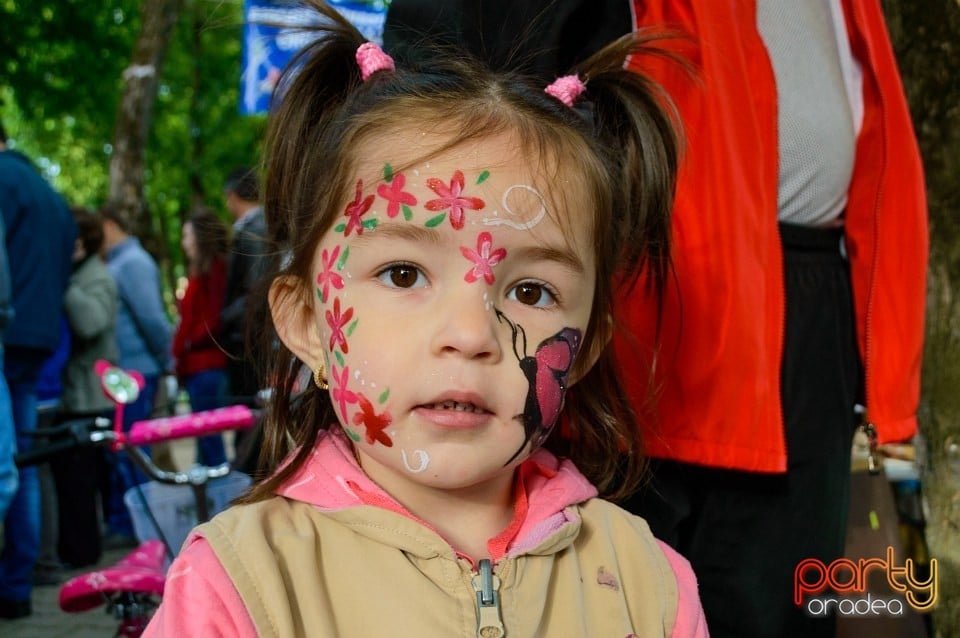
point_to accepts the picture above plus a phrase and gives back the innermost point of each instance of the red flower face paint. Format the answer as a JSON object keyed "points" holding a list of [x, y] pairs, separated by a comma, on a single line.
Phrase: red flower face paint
{"points": [[356, 210], [374, 423], [395, 195], [451, 197], [484, 258], [337, 321]]}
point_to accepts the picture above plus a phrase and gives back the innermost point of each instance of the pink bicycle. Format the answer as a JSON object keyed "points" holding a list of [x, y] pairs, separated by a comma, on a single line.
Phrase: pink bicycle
{"points": [[132, 588]]}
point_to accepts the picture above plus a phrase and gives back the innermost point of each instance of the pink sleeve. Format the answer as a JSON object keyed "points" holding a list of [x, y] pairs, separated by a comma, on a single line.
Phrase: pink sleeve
{"points": [[199, 599], [690, 622]]}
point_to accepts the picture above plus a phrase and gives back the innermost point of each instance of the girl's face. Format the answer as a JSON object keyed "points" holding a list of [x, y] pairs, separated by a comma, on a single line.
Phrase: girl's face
{"points": [[188, 241], [449, 307]]}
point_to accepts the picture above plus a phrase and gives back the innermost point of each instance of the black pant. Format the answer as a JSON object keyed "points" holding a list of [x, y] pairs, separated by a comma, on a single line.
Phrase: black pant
{"points": [[744, 533]]}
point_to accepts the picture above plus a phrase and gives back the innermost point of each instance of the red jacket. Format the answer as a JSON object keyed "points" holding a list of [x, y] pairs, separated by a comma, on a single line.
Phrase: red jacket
{"points": [[718, 365], [197, 344]]}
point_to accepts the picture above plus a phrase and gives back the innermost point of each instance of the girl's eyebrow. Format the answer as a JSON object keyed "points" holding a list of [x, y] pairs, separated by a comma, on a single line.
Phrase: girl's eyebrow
{"points": [[563, 256], [405, 231]]}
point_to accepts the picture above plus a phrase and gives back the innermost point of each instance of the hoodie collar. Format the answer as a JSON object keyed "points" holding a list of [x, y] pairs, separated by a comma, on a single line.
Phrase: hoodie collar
{"points": [[332, 481]]}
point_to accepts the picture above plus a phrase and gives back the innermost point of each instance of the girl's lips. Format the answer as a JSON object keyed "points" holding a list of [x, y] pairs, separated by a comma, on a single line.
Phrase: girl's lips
{"points": [[454, 414]]}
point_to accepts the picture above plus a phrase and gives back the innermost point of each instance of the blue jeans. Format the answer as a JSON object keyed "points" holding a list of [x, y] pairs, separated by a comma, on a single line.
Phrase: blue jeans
{"points": [[22, 522], [208, 390], [9, 478], [123, 473]]}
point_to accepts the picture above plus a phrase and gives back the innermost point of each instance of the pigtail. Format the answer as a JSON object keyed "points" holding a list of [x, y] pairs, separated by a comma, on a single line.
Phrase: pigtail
{"points": [[636, 131], [308, 106], [306, 102], [637, 123]]}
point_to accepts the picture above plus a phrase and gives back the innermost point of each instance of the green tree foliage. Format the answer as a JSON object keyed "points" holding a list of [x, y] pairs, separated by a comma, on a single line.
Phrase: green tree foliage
{"points": [[61, 62]]}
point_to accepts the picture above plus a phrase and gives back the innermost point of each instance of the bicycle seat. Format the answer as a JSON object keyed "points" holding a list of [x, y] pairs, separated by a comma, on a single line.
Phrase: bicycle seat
{"points": [[140, 571]]}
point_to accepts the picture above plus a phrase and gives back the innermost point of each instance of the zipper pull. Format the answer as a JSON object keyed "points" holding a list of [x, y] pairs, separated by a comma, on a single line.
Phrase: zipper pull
{"points": [[486, 584]]}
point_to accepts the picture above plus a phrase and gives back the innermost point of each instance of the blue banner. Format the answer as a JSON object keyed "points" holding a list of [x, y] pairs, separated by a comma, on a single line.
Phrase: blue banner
{"points": [[268, 49]]}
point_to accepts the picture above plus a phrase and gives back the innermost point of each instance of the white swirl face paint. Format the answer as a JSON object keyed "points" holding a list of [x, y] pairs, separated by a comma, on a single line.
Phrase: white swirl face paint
{"points": [[422, 458], [526, 225]]}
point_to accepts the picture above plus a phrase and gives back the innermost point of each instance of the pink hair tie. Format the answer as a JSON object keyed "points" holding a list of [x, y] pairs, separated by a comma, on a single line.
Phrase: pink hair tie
{"points": [[566, 89], [371, 58]]}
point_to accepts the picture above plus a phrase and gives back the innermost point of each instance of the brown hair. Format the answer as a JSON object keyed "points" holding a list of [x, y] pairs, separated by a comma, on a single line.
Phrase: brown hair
{"points": [[89, 229], [213, 239], [621, 135]]}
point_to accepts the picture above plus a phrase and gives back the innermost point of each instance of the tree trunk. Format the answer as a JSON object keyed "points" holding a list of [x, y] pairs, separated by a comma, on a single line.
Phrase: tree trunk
{"points": [[925, 36], [140, 83]]}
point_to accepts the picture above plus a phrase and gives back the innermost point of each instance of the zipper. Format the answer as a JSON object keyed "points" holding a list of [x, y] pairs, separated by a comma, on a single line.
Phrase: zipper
{"points": [[487, 584]]}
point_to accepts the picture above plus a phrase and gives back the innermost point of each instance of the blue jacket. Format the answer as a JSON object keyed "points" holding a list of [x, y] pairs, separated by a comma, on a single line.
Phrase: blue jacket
{"points": [[40, 237], [143, 330], [6, 310]]}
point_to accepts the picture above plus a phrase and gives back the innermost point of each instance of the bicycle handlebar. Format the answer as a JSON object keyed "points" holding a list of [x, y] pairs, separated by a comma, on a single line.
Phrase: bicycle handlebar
{"points": [[96, 431], [234, 417], [90, 430]]}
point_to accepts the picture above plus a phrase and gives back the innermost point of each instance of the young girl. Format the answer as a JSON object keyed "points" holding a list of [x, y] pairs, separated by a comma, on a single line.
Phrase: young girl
{"points": [[201, 362], [453, 235]]}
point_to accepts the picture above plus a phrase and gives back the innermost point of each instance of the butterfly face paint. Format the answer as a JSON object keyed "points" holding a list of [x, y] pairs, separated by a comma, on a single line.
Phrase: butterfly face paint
{"points": [[547, 373]]}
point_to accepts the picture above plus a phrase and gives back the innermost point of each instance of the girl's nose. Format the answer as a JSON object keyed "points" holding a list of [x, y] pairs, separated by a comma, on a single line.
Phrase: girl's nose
{"points": [[467, 326]]}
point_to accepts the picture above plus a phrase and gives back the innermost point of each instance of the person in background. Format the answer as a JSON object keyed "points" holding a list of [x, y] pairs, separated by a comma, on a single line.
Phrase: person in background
{"points": [[39, 241], [143, 333], [247, 263], [249, 260], [805, 205], [9, 477], [48, 570], [201, 363], [90, 304]]}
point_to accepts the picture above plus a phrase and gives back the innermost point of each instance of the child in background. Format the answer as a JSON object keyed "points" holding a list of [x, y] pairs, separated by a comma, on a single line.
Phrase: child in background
{"points": [[454, 236]]}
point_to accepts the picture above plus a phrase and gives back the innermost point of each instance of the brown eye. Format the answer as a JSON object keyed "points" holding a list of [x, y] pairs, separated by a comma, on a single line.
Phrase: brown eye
{"points": [[532, 293], [402, 276], [529, 294]]}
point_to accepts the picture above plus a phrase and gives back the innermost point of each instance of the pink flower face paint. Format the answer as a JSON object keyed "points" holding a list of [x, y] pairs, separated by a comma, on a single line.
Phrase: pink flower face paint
{"points": [[342, 395], [451, 197], [328, 277], [484, 258]]}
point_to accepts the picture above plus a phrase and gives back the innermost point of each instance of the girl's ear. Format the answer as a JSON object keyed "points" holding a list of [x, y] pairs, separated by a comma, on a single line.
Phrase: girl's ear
{"points": [[587, 358], [294, 319]]}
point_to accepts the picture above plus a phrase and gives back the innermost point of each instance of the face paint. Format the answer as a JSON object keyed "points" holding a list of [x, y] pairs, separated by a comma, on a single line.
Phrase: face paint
{"points": [[546, 372], [355, 211], [395, 195], [337, 321], [451, 197], [422, 458], [328, 277], [341, 394], [374, 423], [484, 258], [527, 225]]}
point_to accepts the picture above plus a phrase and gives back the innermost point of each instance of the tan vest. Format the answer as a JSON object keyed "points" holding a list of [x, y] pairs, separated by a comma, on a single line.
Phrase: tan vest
{"points": [[367, 572]]}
